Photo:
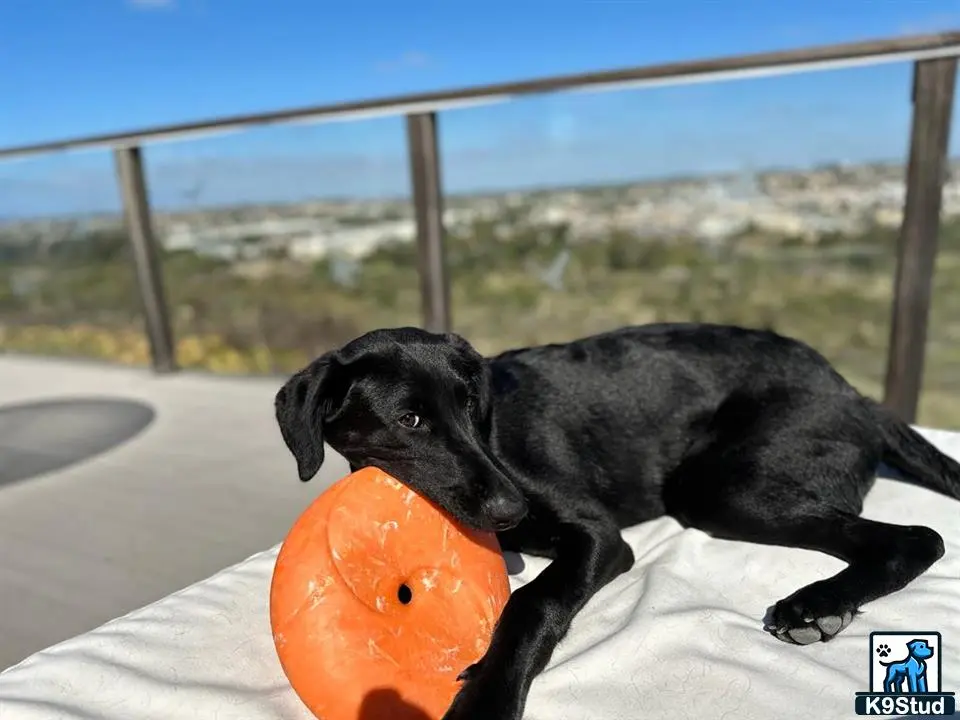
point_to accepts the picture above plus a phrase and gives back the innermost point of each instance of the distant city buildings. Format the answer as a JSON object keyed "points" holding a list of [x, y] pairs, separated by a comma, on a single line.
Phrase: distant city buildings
{"points": [[803, 204]]}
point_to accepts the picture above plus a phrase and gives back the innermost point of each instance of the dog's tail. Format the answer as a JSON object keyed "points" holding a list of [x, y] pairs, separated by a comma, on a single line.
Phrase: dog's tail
{"points": [[904, 449]]}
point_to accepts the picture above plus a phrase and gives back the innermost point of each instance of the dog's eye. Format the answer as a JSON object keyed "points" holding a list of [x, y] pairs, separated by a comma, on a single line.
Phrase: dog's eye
{"points": [[409, 420]]}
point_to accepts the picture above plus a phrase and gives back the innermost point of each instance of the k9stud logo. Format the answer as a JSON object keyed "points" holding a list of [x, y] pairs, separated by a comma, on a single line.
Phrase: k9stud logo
{"points": [[905, 676]]}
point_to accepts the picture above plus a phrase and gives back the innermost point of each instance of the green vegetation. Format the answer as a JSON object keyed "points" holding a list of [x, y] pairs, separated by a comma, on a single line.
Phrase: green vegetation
{"points": [[273, 314]]}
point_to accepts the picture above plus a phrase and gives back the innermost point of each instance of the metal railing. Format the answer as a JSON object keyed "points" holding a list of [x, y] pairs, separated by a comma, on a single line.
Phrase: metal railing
{"points": [[935, 66]]}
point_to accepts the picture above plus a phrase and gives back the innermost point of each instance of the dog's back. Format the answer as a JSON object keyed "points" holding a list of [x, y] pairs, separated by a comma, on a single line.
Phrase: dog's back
{"points": [[631, 403], [604, 411], [673, 363]]}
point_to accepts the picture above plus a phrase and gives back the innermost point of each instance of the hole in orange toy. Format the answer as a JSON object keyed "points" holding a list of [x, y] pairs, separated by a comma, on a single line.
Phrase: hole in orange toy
{"points": [[405, 594]]}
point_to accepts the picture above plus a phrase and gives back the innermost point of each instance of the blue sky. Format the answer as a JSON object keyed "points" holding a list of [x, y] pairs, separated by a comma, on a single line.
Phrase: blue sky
{"points": [[73, 67]]}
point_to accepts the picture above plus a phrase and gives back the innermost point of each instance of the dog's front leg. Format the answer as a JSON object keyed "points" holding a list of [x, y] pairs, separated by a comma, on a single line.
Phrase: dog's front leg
{"points": [[590, 553]]}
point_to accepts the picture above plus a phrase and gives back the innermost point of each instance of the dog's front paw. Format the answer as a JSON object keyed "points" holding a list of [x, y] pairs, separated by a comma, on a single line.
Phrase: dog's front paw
{"points": [[809, 616], [485, 696]]}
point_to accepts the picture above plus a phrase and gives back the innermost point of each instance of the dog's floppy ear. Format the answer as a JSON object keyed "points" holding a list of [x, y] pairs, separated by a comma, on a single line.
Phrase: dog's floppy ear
{"points": [[479, 373], [300, 406]]}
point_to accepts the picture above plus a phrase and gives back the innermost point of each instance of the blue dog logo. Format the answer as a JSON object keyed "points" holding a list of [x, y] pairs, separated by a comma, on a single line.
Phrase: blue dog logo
{"points": [[905, 675], [910, 674]]}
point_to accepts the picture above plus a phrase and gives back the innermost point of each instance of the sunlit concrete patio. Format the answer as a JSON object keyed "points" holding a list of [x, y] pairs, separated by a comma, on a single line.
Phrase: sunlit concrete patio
{"points": [[118, 487]]}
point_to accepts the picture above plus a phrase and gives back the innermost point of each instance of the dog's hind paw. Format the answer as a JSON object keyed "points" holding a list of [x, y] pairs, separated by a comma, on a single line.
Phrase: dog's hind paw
{"points": [[803, 621]]}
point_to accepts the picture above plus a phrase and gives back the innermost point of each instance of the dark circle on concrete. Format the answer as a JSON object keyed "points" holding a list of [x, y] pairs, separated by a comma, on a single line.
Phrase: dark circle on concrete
{"points": [[42, 437]]}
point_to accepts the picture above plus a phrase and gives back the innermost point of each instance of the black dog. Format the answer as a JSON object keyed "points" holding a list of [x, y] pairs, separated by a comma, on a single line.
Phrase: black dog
{"points": [[741, 433]]}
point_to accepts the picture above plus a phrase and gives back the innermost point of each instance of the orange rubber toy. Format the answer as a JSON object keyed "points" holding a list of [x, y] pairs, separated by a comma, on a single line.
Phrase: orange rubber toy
{"points": [[379, 600]]}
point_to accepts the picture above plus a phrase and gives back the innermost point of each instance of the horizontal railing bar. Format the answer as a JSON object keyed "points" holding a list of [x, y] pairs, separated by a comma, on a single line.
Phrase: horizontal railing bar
{"points": [[919, 47], [764, 71]]}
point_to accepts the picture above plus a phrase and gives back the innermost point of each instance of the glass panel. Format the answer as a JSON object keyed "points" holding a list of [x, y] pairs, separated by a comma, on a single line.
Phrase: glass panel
{"points": [[770, 202], [283, 242], [67, 285], [940, 393]]}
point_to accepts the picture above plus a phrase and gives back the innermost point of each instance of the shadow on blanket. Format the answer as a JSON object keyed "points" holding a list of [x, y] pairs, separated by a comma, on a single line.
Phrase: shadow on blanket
{"points": [[387, 704]]}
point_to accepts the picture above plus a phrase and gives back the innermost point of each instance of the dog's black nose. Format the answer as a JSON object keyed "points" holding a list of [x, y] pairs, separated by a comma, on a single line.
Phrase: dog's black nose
{"points": [[503, 512]]}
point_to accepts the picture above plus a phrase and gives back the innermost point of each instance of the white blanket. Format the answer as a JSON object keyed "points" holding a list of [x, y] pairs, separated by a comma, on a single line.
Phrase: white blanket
{"points": [[679, 636]]}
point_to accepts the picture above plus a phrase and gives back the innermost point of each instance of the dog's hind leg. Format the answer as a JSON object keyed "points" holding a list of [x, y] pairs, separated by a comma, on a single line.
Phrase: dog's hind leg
{"points": [[881, 559], [891, 683], [799, 482]]}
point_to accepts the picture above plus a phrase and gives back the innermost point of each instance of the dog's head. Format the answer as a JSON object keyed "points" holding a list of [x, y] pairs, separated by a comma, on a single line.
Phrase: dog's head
{"points": [[920, 649], [413, 403]]}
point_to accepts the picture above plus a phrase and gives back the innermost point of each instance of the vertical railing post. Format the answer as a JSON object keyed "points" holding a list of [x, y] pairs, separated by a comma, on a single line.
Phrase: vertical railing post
{"points": [[146, 257], [428, 208], [934, 83]]}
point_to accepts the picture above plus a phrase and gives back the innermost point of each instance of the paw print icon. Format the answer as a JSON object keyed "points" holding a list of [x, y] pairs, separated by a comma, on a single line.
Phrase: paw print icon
{"points": [[883, 650]]}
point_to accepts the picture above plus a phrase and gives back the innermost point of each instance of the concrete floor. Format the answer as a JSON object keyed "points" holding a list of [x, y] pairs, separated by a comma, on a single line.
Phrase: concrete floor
{"points": [[91, 529]]}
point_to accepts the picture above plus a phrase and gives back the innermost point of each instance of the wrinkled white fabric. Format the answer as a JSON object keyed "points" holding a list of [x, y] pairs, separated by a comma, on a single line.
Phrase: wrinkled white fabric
{"points": [[679, 636]]}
